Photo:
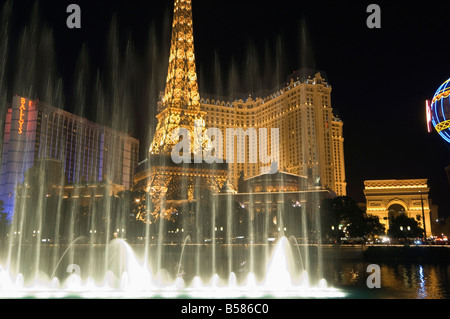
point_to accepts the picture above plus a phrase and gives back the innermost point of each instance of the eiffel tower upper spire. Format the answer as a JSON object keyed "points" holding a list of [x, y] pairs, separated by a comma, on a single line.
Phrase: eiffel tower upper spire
{"points": [[180, 106], [181, 85]]}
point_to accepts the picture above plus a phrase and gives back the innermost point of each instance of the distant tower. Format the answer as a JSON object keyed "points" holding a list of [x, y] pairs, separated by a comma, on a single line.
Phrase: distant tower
{"points": [[180, 106]]}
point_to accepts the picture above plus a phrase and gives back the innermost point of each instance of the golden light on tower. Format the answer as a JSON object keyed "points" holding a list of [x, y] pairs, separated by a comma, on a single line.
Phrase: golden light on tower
{"points": [[166, 183], [181, 85], [180, 105]]}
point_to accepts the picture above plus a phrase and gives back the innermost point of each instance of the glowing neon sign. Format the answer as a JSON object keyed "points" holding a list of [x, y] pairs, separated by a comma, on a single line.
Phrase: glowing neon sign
{"points": [[22, 114], [440, 111], [428, 110]]}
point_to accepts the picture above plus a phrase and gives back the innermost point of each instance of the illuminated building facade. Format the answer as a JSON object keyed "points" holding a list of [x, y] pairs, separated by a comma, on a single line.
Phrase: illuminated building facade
{"points": [[89, 152], [388, 198], [98, 208], [276, 203], [310, 133]]}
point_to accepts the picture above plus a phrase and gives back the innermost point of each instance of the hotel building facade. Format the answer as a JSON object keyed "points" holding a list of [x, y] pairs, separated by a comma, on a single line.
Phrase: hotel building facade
{"points": [[311, 139], [88, 152]]}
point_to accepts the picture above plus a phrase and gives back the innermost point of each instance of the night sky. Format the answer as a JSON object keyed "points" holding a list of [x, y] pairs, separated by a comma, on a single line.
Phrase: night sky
{"points": [[380, 77]]}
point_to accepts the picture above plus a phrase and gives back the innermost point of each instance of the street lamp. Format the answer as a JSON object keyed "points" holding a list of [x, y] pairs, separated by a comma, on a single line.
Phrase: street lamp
{"points": [[423, 216]]}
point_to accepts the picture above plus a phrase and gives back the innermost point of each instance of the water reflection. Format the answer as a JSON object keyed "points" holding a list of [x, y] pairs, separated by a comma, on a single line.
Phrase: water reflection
{"points": [[406, 281], [422, 293]]}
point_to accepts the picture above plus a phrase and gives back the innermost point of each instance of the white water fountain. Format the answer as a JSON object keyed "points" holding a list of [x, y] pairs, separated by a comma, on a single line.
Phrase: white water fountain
{"points": [[137, 281]]}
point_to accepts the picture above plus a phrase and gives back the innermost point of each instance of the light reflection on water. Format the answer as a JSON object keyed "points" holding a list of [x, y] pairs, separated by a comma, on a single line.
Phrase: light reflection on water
{"points": [[422, 293], [398, 280]]}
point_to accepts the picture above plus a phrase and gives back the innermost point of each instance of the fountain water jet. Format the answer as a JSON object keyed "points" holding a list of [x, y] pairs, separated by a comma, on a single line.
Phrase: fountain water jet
{"points": [[135, 280]]}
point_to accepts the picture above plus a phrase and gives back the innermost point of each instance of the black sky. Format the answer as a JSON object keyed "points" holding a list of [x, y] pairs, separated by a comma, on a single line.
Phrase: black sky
{"points": [[380, 77]]}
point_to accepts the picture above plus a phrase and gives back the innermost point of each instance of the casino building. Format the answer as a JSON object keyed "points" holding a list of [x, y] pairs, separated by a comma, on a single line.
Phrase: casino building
{"points": [[310, 131], [88, 152]]}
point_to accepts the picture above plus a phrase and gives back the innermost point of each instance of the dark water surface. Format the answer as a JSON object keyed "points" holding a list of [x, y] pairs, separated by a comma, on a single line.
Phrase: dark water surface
{"points": [[398, 279]]}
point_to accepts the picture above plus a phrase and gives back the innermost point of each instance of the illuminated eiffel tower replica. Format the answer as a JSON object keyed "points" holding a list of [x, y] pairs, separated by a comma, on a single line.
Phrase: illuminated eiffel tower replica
{"points": [[168, 184]]}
